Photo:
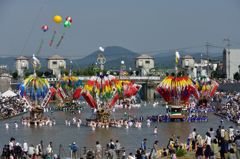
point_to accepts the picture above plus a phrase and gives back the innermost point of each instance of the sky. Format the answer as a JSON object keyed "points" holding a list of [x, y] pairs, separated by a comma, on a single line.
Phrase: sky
{"points": [[138, 25]]}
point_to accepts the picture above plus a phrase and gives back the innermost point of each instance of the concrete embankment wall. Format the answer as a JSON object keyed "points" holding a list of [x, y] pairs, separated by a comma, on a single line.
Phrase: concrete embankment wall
{"points": [[4, 84], [229, 87]]}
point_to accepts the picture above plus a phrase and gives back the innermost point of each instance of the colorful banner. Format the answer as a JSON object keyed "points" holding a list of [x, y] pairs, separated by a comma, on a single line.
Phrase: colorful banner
{"points": [[52, 38], [61, 93], [60, 39], [40, 47], [77, 93], [48, 97]]}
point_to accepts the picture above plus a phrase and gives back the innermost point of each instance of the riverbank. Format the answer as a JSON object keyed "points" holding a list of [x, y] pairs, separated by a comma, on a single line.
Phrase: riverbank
{"points": [[11, 116]]}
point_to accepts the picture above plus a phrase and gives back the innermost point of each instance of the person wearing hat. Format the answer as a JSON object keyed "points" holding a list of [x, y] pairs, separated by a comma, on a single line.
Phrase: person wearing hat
{"points": [[111, 144], [74, 150]]}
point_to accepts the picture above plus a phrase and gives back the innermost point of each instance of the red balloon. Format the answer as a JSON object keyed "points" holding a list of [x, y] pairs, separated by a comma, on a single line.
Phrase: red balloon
{"points": [[69, 19]]}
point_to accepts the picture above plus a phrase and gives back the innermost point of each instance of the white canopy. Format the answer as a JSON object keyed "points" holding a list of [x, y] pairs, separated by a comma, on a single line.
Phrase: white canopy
{"points": [[9, 93]]}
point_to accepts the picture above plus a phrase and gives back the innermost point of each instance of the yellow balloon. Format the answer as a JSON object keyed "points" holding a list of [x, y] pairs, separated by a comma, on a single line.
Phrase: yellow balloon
{"points": [[57, 19]]}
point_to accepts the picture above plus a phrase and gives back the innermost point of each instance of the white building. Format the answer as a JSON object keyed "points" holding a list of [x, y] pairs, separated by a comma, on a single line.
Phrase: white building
{"points": [[21, 65], [56, 63], [187, 63], [144, 63], [234, 62]]}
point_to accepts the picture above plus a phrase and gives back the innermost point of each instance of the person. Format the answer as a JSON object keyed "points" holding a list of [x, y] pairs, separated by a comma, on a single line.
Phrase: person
{"points": [[25, 147], [31, 150], [214, 147], [212, 134], [123, 153], [226, 138], [11, 146], [143, 145], [188, 143], [138, 155], [49, 151], [110, 153], [208, 139], [155, 130], [111, 144], [207, 152], [74, 150], [99, 149], [118, 148], [231, 132], [70, 149], [130, 156], [193, 138], [222, 148], [222, 132], [237, 142], [232, 154], [155, 150], [34, 156], [4, 152], [199, 152], [17, 151], [218, 133]]}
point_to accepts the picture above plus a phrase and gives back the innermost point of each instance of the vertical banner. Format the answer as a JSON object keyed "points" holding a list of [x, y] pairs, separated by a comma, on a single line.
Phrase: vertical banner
{"points": [[48, 97]]}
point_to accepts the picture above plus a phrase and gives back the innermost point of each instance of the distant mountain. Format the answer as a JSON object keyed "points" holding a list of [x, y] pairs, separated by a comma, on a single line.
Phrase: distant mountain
{"points": [[114, 55]]}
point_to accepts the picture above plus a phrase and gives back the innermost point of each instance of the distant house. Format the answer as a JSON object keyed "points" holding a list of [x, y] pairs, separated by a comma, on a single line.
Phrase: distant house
{"points": [[144, 64], [21, 65], [234, 63], [56, 63]]}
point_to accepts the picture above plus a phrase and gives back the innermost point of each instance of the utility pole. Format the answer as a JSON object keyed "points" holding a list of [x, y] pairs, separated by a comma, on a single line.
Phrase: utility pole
{"points": [[228, 74], [207, 59]]}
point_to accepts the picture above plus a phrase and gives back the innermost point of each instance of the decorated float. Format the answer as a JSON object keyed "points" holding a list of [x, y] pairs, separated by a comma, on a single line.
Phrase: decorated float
{"points": [[101, 92], [69, 89], [206, 88], [36, 92]]}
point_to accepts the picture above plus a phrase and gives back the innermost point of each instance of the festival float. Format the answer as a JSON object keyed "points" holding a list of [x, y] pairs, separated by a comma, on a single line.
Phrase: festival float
{"points": [[69, 89], [206, 88], [101, 92], [36, 92], [128, 96]]}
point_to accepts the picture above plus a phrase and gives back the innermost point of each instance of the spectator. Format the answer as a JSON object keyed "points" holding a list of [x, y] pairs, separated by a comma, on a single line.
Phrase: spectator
{"points": [[31, 150], [232, 154], [118, 148], [207, 152], [74, 148], [25, 147], [49, 151], [143, 145]]}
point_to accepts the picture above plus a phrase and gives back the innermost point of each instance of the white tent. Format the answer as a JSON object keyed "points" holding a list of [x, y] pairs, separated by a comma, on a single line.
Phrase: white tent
{"points": [[9, 93]]}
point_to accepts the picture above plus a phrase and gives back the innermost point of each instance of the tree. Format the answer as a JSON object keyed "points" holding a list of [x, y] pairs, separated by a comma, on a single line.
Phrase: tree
{"points": [[27, 74], [104, 72], [39, 73], [167, 74], [117, 73], [173, 74], [137, 73], [66, 73], [179, 74], [236, 76], [15, 75], [85, 73], [46, 73], [91, 73], [111, 73], [74, 72], [183, 73], [78, 73]]}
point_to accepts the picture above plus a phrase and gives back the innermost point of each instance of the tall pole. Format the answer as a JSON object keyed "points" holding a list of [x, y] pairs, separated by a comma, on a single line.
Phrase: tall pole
{"points": [[207, 59], [228, 74]]}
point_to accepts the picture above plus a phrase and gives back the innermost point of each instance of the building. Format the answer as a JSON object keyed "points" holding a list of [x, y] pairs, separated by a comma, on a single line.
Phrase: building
{"points": [[196, 69], [234, 63], [21, 65], [56, 63], [187, 63], [144, 64]]}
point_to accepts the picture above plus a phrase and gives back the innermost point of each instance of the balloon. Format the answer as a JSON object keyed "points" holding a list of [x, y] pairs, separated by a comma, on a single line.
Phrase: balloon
{"points": [[44, 28], [69, 19], [66, 24], [57, 19]]}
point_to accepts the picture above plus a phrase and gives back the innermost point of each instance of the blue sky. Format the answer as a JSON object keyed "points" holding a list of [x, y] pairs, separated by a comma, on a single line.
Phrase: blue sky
{"points": [[138, 25]]}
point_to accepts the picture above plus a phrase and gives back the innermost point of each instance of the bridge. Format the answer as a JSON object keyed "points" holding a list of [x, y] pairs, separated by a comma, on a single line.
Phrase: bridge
{"points": [[148, 83]]}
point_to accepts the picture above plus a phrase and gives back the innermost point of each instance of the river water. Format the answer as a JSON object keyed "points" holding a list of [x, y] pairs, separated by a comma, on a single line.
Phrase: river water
{"points": [[84, 136]]}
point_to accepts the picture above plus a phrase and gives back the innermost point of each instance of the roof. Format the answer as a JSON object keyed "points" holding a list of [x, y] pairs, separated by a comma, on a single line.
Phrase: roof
{"points": [[187, 57], [144, 56], [56, 57], [21, 58]]}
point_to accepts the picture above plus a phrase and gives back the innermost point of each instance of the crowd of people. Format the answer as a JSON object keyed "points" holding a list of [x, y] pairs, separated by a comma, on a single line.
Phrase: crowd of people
{"points": [[11, 106]]}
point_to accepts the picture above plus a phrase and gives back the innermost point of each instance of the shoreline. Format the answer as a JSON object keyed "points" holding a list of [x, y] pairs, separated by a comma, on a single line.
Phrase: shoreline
{"points": [[11, 116]]}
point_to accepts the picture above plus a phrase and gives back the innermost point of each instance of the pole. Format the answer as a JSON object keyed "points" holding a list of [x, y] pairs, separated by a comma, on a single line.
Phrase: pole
{"points": [[207, 59], [228, 74]]}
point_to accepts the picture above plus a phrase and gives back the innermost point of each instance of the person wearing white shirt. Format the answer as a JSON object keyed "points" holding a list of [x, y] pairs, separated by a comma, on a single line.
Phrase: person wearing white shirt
{"points": [[222, 132], [25, 147], [231, 132], [193, 138]]}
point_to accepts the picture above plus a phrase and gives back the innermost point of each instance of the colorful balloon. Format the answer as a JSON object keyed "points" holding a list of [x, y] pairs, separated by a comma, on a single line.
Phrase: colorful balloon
{"points": [[44, 28], [66, 24], [57, 19], [69, 19]]}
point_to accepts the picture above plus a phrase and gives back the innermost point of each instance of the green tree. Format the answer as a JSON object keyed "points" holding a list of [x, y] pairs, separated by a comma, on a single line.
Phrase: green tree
{"points": [[179, 74], [85, 73], [183, 73], [117, 73], [27, 74], [66, 73], [78, 73], [74, 72], [236, 76], [167, 74], [46, 73], [104, 72], [39, 73], [173, 74], [15, 75], [111, 73], [91, 73]]}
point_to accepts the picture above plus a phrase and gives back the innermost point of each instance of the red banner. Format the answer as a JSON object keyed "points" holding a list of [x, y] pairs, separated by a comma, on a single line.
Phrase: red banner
{"points": [[61, 93], [48, 97], [89, 99], [114, 100], [77, 93]]}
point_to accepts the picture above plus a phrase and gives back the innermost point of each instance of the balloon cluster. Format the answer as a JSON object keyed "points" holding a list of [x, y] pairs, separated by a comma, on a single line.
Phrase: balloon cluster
{"points": [[66, 23], [52, 38], [44, 28], [40, 47], [60, 40]]}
